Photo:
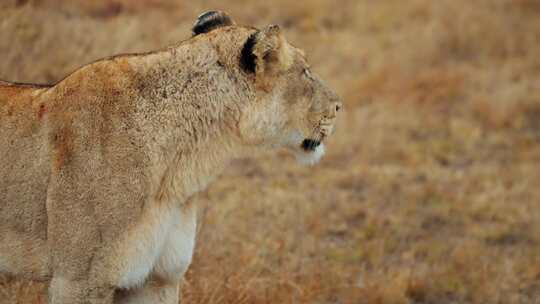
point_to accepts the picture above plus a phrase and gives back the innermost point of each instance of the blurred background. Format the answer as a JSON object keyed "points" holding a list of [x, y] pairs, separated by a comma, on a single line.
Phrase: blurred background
{"points": [[430, 192]]}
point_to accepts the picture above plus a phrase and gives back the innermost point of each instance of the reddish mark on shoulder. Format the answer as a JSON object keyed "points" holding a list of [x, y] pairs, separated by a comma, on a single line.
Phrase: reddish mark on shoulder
{"points": [[41, 111]]}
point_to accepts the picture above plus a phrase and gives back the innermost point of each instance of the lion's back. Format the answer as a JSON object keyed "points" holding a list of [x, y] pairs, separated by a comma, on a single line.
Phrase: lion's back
{"points": [[22, 127], [24, 174], [22, 139]]}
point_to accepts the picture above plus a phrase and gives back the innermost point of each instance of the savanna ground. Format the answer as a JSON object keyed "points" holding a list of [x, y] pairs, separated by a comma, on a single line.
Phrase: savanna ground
{"points": [[430, 192]]}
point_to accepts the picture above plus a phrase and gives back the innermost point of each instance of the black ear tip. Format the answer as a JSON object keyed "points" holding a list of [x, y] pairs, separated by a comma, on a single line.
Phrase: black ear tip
{"points": [[211, 20], [205, 14], [208, 14]]}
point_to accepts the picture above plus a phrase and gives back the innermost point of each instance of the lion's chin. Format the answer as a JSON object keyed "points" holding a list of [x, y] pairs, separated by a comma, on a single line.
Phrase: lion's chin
{"points": [[310, 157]]}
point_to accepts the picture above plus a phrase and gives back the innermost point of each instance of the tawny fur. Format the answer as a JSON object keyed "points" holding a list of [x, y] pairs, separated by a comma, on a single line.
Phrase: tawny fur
{"points": [[97, 170]]}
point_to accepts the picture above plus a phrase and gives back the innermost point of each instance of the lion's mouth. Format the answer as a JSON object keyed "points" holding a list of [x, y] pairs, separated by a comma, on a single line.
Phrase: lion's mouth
{"points": [[309, 145]]}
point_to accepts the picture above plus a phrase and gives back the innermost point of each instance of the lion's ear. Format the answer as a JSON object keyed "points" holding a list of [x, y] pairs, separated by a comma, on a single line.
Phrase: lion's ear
{"points": [[211, 20], [266, 52]]}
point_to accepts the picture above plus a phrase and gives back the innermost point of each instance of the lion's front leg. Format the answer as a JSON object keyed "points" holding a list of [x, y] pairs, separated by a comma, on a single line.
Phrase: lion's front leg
{"points": [[78, 253], [77, 260]]}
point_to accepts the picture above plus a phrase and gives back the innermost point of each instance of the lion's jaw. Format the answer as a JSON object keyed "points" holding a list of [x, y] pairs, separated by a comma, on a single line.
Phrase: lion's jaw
{"points": [[310, 157]]}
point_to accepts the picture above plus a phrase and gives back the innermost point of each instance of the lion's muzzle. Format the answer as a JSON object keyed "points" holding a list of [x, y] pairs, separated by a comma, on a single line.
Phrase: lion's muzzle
{"points": [[310, 145]]}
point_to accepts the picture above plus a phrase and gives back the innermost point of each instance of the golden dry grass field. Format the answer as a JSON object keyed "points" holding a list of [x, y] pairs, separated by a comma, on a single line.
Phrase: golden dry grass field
{"points": [[430, 192]]}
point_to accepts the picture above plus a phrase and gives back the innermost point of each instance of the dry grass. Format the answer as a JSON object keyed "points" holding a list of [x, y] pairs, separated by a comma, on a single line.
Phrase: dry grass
{"points": [[430, 192]]}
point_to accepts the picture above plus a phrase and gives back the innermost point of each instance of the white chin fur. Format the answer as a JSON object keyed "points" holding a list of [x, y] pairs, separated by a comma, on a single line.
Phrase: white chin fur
{"points": [[310, 158]]}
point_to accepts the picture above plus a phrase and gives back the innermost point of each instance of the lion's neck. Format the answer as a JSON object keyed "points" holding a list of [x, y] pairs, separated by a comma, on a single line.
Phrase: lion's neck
{"points": [[201, 147], [194, 132], [193, 168]]}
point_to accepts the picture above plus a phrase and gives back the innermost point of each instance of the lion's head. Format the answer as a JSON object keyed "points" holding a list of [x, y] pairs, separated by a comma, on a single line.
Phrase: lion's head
{"points": [[292, 107]]}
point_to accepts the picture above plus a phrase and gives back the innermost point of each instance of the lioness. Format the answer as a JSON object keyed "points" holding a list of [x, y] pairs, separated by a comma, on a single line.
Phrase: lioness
{"points": [[97, 170]]}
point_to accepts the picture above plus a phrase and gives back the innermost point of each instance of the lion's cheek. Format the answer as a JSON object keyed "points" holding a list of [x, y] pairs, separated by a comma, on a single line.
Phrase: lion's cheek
{"points": [[263, 127]]}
